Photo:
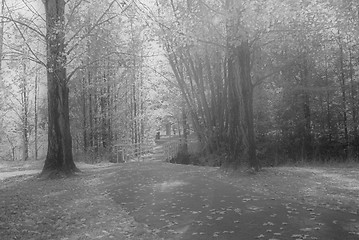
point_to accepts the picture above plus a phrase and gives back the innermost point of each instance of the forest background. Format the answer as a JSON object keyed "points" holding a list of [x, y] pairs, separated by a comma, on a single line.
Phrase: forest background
{"points": [[258, 82]]}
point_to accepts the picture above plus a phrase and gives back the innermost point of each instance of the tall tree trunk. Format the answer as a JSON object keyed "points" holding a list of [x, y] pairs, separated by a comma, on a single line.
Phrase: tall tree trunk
{"points": [[90, 111], [344, 99], [84, 116], [246, 98], [110, 107], [25, 116], [184, 148], [104, 107], [89, 74], [328, 112], [1, 52], [179, 73], [141, 129], [353, 97], [59, 157], [36, 115], [134, 96], [239, 71], [233, 113], [1, 35], [307, 136], [96, 121]]}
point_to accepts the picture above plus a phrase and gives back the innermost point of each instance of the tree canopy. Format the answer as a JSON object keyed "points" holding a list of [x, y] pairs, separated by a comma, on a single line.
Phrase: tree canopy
{"points": [[261, 82]]}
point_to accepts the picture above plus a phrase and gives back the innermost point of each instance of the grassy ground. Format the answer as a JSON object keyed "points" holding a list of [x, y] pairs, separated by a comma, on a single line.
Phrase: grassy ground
{"points": [[334, 186], [66, 209], [79, 207]]}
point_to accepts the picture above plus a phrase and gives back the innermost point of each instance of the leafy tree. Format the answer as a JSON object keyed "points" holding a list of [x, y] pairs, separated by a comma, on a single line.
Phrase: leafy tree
{"points": [[290, 56], [258, 80]]}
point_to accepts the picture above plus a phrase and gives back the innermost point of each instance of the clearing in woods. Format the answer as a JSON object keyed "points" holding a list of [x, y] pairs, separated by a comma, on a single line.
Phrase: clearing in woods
{"points": [[158, 200]]}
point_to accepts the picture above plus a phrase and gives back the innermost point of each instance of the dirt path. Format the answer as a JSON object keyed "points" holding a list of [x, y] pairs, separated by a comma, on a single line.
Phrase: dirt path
{"points": [[156, 200], [33, 168], [330, 187], [186, 202], [5, 175], [67, 209]]}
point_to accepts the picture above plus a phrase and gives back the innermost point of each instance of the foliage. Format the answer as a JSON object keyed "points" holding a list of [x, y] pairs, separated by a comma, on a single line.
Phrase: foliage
{"points": [[269, 80], [303, 74]]}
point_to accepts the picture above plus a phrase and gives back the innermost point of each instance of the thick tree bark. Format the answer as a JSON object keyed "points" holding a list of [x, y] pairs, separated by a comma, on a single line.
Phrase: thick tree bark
{"points": [[245, 90], [235, 143], [59, 159], [240, 83]]}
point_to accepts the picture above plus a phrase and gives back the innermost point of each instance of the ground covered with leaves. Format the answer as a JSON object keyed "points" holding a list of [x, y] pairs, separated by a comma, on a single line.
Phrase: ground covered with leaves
{"points": [[82, 207], [66, 209], [334, 187]]}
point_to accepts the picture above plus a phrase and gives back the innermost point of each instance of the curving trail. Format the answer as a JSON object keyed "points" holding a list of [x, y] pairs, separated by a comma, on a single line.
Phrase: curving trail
{"points": [[187, 202]]}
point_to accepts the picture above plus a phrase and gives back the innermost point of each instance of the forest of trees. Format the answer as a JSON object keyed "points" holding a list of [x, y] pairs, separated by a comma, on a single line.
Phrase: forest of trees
{"points": [[267, 81], [260, 81]]}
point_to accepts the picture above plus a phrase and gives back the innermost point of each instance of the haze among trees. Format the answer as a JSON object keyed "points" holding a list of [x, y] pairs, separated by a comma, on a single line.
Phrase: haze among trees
{"points": [[258, 82]]}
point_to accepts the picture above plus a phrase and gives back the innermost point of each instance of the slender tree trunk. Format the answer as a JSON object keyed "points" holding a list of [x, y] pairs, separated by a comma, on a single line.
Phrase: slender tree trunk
{"points": [[179, 72], [84, 116], [90, 110], [59, 157], [96, 121], [195, 70], [328, 113], [184, 149], [225, 98], [1, 35], [104, 108], [110, 108], [307, 136], [134, 93], [141, 106], [25, 116], [344, 100], [1, 53], [12, 147], [36, 115], [353, 94], [108, 105], [214, 96]]}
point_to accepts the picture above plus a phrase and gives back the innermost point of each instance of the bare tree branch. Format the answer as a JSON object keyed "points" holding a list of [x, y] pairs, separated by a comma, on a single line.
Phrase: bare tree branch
{"points": [[165, 27], [87, 65], [10, 19], [97, 23], [36, 58], [69, 19], [260, 80], [33, 10]]}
